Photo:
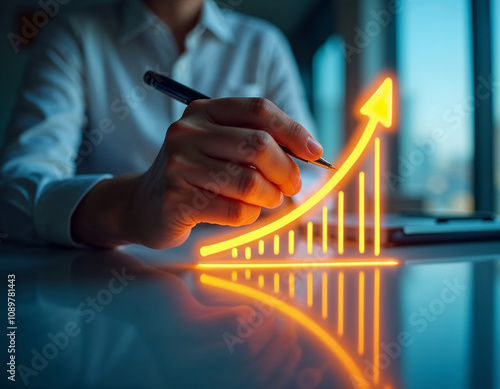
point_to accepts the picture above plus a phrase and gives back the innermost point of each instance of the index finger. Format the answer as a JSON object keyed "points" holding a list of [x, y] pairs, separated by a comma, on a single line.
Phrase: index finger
{"points": [[262, 114]]}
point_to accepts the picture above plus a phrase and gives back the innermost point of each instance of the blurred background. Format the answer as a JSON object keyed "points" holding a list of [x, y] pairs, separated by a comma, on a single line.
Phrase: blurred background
{"points": [[446, 56]]}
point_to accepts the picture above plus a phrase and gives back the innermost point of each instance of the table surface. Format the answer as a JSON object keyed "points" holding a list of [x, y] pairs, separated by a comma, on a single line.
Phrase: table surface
{"points": [[140, 318]]}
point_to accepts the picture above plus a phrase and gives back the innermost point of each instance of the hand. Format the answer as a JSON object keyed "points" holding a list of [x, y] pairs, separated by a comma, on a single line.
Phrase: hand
{"points": [[220, 163]]}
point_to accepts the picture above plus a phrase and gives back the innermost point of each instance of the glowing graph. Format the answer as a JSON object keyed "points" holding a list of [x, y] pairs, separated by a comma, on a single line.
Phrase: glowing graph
{"points": [[378, 109], [346, 325]]}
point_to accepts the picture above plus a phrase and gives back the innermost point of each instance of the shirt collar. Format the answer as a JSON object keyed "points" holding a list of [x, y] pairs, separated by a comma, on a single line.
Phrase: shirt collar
{"points": [[137, 18]]}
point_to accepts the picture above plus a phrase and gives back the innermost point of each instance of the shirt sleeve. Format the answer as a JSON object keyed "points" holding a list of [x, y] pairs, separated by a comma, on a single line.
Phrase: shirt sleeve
{"points": [[38, 187]]}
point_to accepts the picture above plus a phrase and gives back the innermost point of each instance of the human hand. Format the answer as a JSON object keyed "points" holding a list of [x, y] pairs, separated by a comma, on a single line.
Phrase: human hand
{"points": [[220, 163]]}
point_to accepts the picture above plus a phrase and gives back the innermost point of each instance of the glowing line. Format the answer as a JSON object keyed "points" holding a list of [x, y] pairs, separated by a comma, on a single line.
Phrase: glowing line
{"points": [[276, 244], [261, 281], [341, 223], [361, 314], [234, 276], [379, 110], [309, 238], [376, 239], [340, 315], [276, 282], [291, 284], [248, 274], [234, 252], [361, 212], [291, 242], [309, 289], [325, 230], [248, 253], [376, 326], [306, 265], [324, 297], [261, 247], [295, 314]]}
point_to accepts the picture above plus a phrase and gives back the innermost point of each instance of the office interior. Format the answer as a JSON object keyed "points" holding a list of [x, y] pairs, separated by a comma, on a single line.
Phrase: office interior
{"points": [[438, 308]]}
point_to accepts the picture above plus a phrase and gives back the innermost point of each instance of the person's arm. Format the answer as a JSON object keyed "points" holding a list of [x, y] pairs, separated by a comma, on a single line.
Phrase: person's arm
{"points": [[38, 187], [220, 163]]}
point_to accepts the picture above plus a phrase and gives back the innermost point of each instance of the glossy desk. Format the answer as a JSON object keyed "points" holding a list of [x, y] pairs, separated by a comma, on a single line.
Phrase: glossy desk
{"points": [[138, 318]]}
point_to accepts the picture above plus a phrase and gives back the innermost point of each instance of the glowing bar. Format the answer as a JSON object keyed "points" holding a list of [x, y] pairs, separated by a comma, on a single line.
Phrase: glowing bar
{"points": [[261, 281], [376, 238], [309, 289], [324, 297], [309, 238], [340, 316], [261, 247], [361, 212], [305, 265], [361, 314], [276, 244], [248, 274], [341, 223], [248, 253], [291, 284], [379, 110], [291, 242], [297, 316], [234, 252], [234, 276], [276, 282], [376, 326], [325, 229]]}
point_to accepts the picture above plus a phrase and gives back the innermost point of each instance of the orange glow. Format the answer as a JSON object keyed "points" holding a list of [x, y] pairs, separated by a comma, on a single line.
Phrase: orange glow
{"points": [[309, 238], [261, 247], [303, 320], [291, 284], [361, 314], [276, 282], [248, 253], [376, 326], [248, 274], [234, 276], [379, 262], [291, 242], [340, 315], [378, 108], [324, 297], [234, 252], [309, 289], [325, 230], [376, 199], [276, 244], [341, 223], [261, 281], [361, 212]]}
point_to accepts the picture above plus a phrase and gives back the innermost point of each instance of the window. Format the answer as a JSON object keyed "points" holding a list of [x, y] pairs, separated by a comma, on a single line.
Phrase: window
{"points": [[437, 104]]}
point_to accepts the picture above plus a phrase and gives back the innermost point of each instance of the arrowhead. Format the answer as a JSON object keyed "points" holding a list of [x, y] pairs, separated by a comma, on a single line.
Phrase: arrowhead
{"points": [[379, 105]]}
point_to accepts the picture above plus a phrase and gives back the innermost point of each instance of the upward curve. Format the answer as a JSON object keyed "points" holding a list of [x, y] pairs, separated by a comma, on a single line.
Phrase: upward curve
{"points": [[378, 108]]}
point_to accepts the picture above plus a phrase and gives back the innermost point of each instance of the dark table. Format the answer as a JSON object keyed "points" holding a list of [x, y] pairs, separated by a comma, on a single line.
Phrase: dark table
{"points": [[139, 318]]}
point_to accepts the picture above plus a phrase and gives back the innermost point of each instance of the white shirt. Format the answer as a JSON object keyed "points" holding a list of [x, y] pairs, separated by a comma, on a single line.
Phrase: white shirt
{"points": [[84, 113]]}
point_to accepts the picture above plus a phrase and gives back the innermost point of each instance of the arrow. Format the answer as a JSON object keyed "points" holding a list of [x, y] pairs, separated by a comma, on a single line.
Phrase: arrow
{"points": [[378, 108]]}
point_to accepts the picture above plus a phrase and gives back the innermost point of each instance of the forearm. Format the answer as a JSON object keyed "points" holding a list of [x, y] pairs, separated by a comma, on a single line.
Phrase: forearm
{"points": [[105, 216]]}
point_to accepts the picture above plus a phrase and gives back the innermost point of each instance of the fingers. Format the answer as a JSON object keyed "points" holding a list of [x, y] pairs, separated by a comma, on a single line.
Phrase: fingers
{"points": [[262, 114], [236, 182], [256, 148]]}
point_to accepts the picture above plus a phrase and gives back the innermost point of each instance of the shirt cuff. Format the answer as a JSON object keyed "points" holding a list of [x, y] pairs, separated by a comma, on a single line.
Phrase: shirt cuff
{"points": [[55, 206]]}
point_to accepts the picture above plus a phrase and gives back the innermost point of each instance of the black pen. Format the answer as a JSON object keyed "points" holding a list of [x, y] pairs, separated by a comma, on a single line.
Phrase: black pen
{"points": [[186, 95]]}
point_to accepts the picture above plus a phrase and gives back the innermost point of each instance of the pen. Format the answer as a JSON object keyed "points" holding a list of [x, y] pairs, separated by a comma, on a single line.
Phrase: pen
{"points": [[186, 95]]}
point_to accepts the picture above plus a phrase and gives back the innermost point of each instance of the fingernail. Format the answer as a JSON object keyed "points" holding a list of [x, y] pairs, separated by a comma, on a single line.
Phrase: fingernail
{"points": [[280, 201], [314, 147], [297, 183]]}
